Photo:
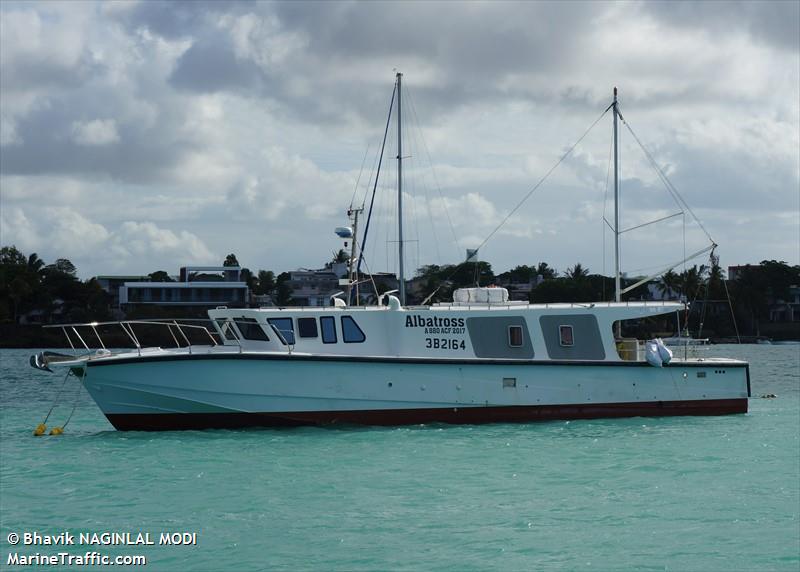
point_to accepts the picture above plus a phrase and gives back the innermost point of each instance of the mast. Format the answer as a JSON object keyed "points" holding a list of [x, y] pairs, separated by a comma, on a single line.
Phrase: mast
{"points": [[352, 273], [400, 190], [617, 287]]}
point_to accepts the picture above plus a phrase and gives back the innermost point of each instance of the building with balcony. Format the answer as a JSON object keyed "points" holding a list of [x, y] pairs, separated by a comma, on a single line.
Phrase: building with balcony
{"points": [[195, 286]]}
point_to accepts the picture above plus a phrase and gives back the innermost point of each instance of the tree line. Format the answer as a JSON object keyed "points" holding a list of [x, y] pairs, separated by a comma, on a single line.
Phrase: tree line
{"points": [[28, 283]]}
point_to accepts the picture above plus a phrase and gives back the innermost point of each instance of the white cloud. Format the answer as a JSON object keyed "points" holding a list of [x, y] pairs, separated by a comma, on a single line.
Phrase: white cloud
{"points": [[138, 239], [95, 132], [62, 232], [139, 133]]}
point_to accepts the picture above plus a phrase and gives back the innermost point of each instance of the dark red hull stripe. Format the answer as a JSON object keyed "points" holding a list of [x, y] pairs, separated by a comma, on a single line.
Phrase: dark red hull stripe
{"points": [[467, 415]]}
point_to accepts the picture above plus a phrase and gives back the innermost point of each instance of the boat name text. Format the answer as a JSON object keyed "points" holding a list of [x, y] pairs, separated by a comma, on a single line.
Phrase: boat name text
{"points": [[434, 322]]}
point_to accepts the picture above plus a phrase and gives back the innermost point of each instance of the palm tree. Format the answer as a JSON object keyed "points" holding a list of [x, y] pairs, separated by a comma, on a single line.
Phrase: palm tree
{"points": [[544, 270], [35, 264], [715, 278], [577, 272], [750, 295], [690, 281], [668, 284], [340, 256], [18, 289]]}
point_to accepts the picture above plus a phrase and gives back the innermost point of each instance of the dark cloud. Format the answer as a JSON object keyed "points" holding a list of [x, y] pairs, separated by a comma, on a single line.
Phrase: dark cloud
{"points": [[773, 22], [211, 66], [142, 153], [173, 19], [468, 48]]}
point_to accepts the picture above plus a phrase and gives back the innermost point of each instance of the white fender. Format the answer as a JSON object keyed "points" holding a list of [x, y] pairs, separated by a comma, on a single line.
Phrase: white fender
{"points": [[651, 354]]}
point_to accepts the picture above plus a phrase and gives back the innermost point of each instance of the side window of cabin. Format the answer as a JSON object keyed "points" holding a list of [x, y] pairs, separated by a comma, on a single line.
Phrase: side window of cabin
{"points": [[285, 327], [250, 329], [307, 327], [515, 339], [565, 336], [328, 326], [351, 333], [227, 330]]}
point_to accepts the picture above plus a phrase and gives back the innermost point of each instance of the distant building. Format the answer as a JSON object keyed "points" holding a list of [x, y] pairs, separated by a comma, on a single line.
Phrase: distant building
{"points": [[112, 284], [195, 286], [519, 290], [316, 287], [383, 281], [735, 271], [39, 316], [313, 287], [655, 292], [786, 310]]}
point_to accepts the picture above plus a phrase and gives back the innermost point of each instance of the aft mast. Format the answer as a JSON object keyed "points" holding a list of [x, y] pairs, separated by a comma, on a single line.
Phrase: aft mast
{"points": [[401, 276], [617, 289]]}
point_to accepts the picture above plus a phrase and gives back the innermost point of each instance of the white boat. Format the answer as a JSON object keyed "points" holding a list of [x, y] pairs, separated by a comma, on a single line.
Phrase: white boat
{"points": [[477, 359]]}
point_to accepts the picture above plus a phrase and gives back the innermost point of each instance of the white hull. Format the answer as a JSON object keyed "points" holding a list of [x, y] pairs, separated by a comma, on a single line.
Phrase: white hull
{"points": [[171, 389]]}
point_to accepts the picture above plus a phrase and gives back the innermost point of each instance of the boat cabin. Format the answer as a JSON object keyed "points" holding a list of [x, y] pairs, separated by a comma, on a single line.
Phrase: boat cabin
{"points": [[491, 329]]}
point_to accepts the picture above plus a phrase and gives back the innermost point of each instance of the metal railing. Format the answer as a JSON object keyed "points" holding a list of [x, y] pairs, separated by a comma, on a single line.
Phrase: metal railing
{"points": [[76, 340], [220, 331]]}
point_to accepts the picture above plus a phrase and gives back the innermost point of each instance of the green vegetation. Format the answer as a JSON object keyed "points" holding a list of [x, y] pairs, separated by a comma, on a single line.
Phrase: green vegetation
{"points": [[28, 284], [33, 291]]}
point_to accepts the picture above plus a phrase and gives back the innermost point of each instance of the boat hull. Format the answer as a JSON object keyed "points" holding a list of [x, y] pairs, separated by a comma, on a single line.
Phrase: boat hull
{"points": [[168, 391], [397, 417]]}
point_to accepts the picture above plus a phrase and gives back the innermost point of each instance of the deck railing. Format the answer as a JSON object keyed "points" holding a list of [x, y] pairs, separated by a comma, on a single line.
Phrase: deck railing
{"points": [[178, 332]]}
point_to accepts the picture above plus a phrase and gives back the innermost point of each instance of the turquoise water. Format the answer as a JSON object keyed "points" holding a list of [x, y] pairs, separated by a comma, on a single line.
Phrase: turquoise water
{"points": [[691, 493]]}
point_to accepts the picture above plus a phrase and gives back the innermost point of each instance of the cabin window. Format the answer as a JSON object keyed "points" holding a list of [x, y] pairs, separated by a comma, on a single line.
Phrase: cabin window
{"points": [[515, 336], [227, 330], [328, 325], [250, 329], [307, 327], [565, 336], [351, 333], [285, 327]]}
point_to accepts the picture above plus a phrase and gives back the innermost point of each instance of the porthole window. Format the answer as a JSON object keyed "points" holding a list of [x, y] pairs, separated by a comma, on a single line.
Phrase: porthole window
{"points": [[351, 333], [307, 327], [515, 339], [285, 327], [565, 336], [250, 329]]}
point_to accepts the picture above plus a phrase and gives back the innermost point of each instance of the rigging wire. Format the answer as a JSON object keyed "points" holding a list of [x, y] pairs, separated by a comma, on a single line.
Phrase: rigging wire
{"points": [[428, 210], [521, 202], [733, 316], [605, 203], [410, 99], [411, 184], [360, 172], [543, 179], [667, 183], [377, 174]]}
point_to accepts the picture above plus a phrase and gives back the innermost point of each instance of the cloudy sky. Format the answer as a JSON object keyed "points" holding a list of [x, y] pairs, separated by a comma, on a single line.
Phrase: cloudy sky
{"points": [[138, 136]]}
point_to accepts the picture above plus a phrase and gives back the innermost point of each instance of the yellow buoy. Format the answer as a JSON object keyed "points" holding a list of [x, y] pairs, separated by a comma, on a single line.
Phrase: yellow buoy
{"points": [[57, 431], [40, 429]]}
